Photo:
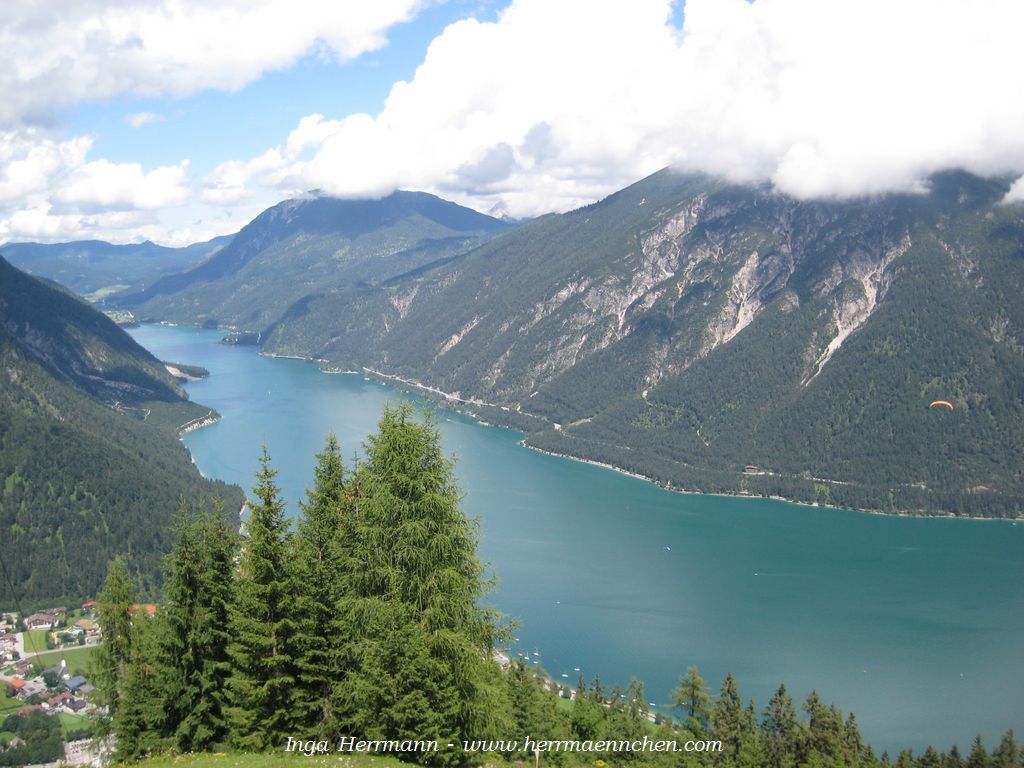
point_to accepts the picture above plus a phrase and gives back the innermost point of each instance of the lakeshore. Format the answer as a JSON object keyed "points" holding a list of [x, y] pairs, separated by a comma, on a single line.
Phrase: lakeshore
{"points": [[881, 614]]}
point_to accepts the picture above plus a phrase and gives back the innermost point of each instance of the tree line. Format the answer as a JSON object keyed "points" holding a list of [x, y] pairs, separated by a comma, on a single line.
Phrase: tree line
{"points": [[365, 620]]}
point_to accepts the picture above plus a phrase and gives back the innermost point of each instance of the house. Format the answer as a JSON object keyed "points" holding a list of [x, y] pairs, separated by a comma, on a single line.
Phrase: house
{"points": [[60, 615], [55, 702], [16, 685], [39, 621], [74, 683], [89, 606], [88, 626], [30, 688]]}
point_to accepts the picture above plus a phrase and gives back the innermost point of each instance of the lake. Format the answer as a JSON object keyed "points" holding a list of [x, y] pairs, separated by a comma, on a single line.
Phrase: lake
{"points": [[917, 626]]}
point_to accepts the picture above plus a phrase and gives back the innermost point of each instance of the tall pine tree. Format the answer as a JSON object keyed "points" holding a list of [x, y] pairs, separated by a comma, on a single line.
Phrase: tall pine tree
{"points": [[261, 685], [425, 667], [114, 608], [197, 596], [323, 562], [782, 731]]}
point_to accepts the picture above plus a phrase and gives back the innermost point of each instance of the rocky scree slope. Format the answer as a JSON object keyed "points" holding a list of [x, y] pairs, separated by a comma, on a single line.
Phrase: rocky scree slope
{"points": [[729, 338]]}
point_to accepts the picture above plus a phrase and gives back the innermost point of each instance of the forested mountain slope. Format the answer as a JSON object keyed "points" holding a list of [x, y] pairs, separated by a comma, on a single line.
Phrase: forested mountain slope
{"points": [[89, 456], [311, 246], [97, 269], [686, 328]]}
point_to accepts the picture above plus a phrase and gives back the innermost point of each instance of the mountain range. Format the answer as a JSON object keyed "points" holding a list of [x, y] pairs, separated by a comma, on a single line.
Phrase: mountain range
{"points": [[711, 336], [97, 269], [89, 452], [311, 246]]}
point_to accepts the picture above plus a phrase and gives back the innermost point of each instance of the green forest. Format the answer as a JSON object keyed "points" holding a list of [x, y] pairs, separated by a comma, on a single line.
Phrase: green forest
{"points": [[364, 620], [90, 461]]}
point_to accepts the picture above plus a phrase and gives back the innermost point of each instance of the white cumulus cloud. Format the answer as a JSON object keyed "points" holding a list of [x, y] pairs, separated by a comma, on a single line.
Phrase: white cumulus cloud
{"points": [[49, 189], [558, 103], [58, 54]]}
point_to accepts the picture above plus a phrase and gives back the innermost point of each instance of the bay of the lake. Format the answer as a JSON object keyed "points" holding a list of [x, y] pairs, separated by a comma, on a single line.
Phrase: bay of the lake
{"points": [[915, 625]]}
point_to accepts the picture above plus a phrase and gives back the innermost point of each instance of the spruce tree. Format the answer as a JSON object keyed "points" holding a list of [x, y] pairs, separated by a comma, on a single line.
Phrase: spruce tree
{"points": [[425, 664], [781, 730], [978, 757], [322, 558], [729, 718], [825, 732], [1008, 753], [197, 595], [534, 711], [143, 721], [261, 684], [114, 608]]}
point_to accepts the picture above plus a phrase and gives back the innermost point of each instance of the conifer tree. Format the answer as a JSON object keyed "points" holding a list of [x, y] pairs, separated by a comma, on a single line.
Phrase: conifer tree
{"points": [[1008, 753], [782, 731], [852, 741], [262, 679], [694, 699], [978, 757], [824, 729], [322, 558], [425, 665], [534, 711], [197, 595], [729, 718], [111, 659], [587, 712], [147, 688]]}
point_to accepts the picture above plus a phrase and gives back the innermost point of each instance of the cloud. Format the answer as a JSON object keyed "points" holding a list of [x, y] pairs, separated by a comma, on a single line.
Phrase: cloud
{"points": [[558, 103], [1016, 193], [227, 184], [551, 106], [58, 54], [50, 189], [139, 119], [102, 185]]}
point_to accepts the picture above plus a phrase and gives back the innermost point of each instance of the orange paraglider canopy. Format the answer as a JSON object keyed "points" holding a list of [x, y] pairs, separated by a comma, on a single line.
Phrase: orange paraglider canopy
{"points": [[941, 402]]}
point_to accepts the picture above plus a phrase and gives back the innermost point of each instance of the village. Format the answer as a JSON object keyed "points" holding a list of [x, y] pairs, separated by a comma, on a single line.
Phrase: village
{"points": [[45, 667]]}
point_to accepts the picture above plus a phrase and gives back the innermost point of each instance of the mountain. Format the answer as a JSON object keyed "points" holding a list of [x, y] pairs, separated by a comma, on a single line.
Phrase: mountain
{"points": [[711, 336], [96, 269], [89, 450], [688, 329], [313, 246]]}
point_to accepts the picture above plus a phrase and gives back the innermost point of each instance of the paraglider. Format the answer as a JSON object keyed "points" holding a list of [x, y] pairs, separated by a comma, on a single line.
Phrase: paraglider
{"points": [[945, 403]]}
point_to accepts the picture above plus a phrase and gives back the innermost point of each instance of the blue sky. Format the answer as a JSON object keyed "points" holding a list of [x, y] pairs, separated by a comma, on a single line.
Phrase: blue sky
{"points": [[212, 125], [178, 121]]}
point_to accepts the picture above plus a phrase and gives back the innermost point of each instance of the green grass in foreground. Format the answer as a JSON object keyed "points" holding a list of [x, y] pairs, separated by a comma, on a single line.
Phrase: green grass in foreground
{"points": [[77, 657], [271, 760]]}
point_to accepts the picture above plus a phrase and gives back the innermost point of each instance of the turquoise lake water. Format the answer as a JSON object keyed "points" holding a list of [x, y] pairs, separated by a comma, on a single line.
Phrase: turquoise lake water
{"points": [[917, 626]]}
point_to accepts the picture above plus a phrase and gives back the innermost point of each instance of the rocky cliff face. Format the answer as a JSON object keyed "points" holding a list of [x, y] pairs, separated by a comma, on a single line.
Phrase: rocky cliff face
{"points": [[687, 328]]}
